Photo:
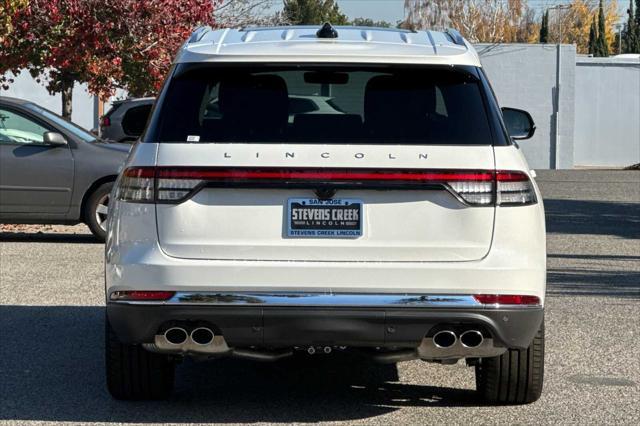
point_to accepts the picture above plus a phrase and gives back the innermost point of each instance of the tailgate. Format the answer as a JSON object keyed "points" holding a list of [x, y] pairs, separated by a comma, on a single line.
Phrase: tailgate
{"points": [[251, 221]]}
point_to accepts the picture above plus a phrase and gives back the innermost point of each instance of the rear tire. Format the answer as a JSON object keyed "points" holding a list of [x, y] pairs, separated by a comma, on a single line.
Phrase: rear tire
{"points": [[95, 210], [515, 377], [134, 373]]}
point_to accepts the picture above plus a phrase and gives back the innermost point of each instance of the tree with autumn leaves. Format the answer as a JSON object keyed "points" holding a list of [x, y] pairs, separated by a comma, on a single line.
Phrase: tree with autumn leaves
{"points": [[7, 9], [509, 21], [120, 43], [479, 21]]}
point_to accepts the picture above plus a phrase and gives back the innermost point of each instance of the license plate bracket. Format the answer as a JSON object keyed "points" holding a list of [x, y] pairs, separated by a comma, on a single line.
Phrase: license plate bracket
{"points": [[331, 218]]}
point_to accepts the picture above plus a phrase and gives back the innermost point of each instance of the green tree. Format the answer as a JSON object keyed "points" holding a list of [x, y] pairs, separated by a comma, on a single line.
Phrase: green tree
{"points": [[368, 22], [312, 12], [592, 37], [631, 33], [544, 28], [602, 47]]}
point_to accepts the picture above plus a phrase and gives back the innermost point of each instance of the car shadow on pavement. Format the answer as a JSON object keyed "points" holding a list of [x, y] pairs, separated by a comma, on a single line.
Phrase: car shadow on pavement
{"points": [[51, 365], [52, 237], [593, 282], [592, 217]]}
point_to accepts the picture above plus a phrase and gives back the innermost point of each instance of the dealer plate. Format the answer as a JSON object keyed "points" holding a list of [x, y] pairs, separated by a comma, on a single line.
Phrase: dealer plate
{"points": [[334, 218]]}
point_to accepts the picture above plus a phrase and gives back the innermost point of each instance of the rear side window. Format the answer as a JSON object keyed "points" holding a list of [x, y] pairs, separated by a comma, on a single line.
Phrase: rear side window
{"points": [[135, 119], [321, 104]]}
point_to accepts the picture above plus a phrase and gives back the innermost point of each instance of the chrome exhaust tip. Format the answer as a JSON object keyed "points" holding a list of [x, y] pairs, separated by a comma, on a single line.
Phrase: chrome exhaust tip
{"points": [[444, 339], [176, 335], [471, 339], [202, 336]]}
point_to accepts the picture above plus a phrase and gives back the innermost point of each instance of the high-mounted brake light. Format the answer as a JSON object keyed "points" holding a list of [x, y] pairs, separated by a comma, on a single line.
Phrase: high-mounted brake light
{"points": [[506, 299], [142, 295], [473, 187]]}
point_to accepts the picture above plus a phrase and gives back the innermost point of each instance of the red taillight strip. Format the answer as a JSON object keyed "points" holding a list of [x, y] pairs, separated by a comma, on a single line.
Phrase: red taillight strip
{"points": [[142, 295], [508, 176], [506, 299], [325, 174], [141, 172], [348, 175], [158, 181]]}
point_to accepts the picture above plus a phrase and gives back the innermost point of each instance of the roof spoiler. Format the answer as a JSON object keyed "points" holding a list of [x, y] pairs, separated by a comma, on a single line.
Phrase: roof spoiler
{"points": [[455, 36]]}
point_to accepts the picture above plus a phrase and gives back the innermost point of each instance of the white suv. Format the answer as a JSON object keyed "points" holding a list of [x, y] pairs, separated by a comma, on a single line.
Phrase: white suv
{"points": [[407, 226]]}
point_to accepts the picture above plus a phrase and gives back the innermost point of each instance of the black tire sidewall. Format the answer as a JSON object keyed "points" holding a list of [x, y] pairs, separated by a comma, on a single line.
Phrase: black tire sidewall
{"points": [[90, 209]]}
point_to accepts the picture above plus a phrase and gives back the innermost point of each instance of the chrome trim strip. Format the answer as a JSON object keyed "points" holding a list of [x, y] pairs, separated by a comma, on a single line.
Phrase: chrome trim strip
{"points": [[323, 299], [312, 299], [317, 299]]}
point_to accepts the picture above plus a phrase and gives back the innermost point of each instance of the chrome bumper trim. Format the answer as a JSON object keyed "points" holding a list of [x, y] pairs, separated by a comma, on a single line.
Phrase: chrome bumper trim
{"points": [[314, 299]]}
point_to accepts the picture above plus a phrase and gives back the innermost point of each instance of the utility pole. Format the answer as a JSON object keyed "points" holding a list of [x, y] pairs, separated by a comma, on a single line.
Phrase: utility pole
{"points": [[557, 122], [619, 28], [560, 8]]}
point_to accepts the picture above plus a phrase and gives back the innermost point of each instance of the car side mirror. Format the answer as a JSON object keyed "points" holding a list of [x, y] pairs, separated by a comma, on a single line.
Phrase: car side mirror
{"points": [[53, 138], [519, 123]]}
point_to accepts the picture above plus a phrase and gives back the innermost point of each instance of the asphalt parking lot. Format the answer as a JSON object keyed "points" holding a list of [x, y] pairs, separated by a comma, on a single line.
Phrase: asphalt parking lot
{"points": [[51, 338]]}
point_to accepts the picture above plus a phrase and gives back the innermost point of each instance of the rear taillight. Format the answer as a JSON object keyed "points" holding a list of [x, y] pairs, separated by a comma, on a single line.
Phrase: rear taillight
{"points": [[105, 121], [506, 299], [137, 185], [472, 187], [503, 188], [514, 189], [176, 184], [477, 192]]}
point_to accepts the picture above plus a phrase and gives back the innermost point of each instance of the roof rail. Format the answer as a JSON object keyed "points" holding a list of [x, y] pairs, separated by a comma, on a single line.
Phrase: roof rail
{"points": [[197, 34], [455, 36]]}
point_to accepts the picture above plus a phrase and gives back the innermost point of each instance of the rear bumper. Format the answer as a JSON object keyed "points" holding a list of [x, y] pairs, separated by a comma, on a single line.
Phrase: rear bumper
{"points": [[300, 319]]}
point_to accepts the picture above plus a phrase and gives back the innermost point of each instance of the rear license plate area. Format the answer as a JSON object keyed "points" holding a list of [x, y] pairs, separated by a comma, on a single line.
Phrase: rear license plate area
{"points": [[333, 218]]}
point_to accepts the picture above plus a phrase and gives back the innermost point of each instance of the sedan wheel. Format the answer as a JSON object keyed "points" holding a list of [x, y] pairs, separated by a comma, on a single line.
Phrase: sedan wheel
{"points": [[102, 209]]}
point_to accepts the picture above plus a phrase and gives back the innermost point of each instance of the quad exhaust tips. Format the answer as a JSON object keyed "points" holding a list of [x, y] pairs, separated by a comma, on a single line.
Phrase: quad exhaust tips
{"points": [[202, 341], [468, 339], [177, 340], [178, 336], [446, 345]]}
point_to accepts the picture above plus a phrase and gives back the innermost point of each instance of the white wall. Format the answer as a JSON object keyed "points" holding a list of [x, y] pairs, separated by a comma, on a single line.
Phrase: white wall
{"points": [[607, 112], [526, 76]]}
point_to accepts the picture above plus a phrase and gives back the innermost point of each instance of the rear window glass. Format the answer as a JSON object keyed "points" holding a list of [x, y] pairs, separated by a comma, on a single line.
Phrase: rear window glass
{"points": [[337, 104]]}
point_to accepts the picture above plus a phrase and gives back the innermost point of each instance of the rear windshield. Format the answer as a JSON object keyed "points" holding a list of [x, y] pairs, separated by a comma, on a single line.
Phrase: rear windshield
{"points": [[311, 104]]}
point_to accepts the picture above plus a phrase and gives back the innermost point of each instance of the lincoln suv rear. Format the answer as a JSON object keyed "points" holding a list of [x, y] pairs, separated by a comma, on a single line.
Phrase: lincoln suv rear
{"points": [[402, 223]]}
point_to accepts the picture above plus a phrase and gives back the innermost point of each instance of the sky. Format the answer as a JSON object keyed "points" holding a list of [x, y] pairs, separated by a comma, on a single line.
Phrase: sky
{"points": [[378, 10]]}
